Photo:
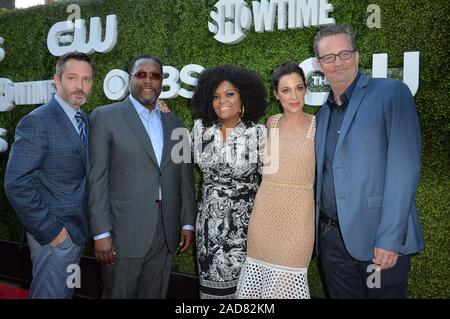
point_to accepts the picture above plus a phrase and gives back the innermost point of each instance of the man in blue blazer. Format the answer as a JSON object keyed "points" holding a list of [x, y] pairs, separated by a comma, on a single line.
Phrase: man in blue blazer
{"points": [[368, 159], [45, 178]]}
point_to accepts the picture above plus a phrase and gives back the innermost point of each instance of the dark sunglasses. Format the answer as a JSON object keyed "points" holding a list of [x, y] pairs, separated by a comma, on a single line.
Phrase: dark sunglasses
{"points": [[144, 75]]}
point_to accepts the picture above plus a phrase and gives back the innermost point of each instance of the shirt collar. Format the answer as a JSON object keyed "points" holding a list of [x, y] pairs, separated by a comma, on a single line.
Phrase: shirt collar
{"points": [[70, 111], [345, 97], [140, 109]]}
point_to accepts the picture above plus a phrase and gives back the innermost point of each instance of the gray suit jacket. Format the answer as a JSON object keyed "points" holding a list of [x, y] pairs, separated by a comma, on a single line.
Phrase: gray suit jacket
{"points": [[125, 178]]}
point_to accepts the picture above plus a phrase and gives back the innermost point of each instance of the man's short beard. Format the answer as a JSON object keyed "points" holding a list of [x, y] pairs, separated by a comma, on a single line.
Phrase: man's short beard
{"points": [[80, 102], [150, 101]]}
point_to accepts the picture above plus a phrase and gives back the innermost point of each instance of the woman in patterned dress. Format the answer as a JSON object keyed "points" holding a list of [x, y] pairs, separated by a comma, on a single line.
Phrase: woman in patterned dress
{"points": [[281, 229], [227, 146]]}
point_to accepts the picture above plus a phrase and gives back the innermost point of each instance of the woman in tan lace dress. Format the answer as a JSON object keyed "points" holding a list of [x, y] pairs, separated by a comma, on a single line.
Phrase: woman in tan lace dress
{"points": [[281, 228]]}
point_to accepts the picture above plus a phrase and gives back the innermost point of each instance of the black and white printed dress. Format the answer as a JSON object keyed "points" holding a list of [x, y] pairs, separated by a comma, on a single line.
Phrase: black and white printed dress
{"points": [[230, 174]]}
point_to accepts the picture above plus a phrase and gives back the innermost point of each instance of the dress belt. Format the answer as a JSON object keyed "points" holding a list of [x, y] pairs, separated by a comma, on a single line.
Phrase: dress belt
{"points": [[274, 181]]}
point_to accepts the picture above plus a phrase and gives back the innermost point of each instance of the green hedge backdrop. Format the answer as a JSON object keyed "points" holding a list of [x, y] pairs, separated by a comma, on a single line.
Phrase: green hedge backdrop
{"points": [[176, 31]]}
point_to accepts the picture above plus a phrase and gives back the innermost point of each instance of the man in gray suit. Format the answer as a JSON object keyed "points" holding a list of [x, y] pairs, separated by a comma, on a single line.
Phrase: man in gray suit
{"points": [[141, 200], [45, 178]]}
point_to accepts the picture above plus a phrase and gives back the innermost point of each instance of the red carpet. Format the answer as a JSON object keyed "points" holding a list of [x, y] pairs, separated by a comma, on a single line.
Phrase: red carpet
{"points": [[9, 292]]}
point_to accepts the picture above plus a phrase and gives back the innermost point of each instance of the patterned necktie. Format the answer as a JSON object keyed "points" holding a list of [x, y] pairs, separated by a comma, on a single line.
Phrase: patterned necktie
{"points": [[81, 130]]}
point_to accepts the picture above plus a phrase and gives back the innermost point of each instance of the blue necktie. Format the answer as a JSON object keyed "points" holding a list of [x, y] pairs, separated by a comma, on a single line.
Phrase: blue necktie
{"points": [[81, 129]]}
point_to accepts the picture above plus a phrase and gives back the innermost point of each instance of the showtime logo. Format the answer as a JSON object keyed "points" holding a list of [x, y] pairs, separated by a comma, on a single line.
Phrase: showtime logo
{"points": [[233, 17]]}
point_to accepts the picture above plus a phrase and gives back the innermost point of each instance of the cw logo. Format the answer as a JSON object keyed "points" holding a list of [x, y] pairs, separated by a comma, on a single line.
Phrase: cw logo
{"points": [[58, 36]]}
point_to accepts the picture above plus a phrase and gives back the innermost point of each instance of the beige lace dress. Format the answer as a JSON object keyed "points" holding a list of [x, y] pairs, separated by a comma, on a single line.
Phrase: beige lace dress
{"points": [[281, 227]]}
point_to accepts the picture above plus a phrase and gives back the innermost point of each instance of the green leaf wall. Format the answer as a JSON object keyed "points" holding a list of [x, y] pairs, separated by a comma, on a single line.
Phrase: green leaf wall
{"points": [[176, 31]]}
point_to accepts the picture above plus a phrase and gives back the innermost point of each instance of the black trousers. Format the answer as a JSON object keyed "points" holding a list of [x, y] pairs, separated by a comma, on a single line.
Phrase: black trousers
{"points": [[348, 278]]}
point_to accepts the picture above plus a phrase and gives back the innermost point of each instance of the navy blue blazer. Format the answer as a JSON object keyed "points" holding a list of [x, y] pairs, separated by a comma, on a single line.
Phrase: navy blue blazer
{"points": [[45, 178], [376, 169]]}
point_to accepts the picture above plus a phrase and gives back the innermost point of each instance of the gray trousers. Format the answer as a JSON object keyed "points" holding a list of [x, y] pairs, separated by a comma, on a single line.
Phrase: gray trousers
{"points": [[50, 268], [140, 278]]}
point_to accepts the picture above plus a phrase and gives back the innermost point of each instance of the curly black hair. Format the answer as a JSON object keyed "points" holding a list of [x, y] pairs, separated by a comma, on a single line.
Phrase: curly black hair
{"points": [[248, 83]]}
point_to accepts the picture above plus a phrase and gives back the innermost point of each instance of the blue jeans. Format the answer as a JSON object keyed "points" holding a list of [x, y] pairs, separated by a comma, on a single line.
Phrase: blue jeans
{"points": [[348, 278], [50, 272]]}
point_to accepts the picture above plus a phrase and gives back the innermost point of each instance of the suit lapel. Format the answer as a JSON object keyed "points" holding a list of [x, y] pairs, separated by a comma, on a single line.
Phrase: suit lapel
{"points": [[65, 123], [358, 93], [86, 128], [135, 123], [86, 122], [167, 132], [321, 134], [69, 130]]}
